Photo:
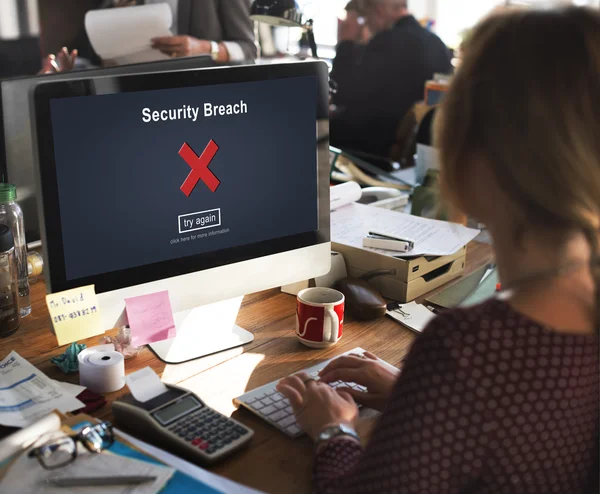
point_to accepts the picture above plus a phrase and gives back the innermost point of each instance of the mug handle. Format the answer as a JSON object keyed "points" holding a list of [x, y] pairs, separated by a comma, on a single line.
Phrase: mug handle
{"points": [[335, 324]]}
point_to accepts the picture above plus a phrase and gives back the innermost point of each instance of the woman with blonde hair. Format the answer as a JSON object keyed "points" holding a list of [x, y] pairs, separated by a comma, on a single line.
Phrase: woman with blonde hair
{"points": [[503, 396]]}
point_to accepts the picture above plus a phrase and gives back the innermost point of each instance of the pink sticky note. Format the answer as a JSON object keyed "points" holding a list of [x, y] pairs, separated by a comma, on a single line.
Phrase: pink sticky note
{"points": [[150, 318]]}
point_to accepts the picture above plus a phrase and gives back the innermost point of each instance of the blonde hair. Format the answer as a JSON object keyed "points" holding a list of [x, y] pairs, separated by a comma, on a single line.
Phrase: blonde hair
{"points": [[526, 99]]}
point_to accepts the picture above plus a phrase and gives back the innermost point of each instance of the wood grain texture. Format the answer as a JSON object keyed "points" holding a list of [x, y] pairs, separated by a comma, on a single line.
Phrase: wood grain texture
{"points": [[273, 462]]}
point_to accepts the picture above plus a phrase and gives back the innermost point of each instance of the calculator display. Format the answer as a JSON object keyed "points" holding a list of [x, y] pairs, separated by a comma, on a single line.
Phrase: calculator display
{"points": [[176, 410]]}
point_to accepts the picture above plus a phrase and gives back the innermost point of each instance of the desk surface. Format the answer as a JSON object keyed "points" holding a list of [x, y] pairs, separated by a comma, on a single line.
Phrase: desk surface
{"points": [[273, 462]]}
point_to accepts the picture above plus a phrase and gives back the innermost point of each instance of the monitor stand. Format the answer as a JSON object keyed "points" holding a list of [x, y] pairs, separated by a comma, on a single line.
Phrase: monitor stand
{"points": [[203, 331]]}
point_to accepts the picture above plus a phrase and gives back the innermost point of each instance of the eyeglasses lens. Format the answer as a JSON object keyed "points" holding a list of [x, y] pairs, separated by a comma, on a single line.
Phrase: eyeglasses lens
{"points": [[98, 437], [57, 453]]}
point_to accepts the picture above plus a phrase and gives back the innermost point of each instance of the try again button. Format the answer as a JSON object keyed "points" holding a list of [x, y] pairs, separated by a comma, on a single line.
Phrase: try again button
{"points": [[199, 221]]}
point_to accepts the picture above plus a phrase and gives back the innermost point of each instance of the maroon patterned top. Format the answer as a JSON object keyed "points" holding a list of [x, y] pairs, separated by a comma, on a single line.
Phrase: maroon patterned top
{"points": [[488, 401]]}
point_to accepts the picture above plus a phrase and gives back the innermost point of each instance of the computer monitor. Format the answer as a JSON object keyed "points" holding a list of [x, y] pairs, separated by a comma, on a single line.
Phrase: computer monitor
{"points": [[16, 146], [210, 184]]}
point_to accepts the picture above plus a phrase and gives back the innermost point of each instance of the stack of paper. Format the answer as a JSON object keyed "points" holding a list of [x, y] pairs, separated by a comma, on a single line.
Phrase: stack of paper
{"points": [[352, 223], [27, 394]]}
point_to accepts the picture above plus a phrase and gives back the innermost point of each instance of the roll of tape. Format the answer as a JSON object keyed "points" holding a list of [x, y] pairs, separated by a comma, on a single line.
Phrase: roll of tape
{"points": [[101, 369]]}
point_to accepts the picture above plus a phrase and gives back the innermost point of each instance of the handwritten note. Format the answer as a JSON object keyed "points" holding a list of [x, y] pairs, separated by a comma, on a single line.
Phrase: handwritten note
{"points": [[150, 318], [75, 314]]}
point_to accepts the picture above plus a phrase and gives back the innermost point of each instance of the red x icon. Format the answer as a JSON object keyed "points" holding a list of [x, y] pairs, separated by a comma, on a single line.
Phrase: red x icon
{"points": [[199, 166]]}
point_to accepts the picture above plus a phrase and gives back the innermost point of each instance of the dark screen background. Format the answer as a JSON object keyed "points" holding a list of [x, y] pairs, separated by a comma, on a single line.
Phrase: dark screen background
{"points": [[119, 178]]}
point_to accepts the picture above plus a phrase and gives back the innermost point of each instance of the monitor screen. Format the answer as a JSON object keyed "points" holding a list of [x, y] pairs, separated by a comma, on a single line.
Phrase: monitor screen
{"points": [[151, 176], [16, 144]]}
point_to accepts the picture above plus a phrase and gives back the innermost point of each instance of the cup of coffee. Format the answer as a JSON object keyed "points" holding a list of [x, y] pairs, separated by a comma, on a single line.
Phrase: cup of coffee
{"points": [[319, 316]]}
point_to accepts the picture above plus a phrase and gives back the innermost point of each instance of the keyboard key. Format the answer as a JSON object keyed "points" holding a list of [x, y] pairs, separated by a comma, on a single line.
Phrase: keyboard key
{"points": [[277, 416], [277, 396], [289, 420], [268, 410], [258, 406], [282, 404], [267, 401], [294, 429]]}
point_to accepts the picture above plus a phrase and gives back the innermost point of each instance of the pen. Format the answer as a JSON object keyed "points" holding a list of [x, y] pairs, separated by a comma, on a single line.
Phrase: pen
{"points": [[94, 481]]}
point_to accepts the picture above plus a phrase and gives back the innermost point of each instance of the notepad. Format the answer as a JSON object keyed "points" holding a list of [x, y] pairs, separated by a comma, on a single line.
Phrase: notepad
{"points": [[75, 314], [150, 318]]}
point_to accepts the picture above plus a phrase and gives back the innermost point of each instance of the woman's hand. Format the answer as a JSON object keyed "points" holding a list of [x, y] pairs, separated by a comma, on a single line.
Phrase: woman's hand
{"points": [[316, 404], [366, 370]]}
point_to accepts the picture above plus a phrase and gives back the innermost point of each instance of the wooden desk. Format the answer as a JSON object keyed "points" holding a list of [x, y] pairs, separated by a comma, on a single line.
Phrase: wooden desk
{"points": [[273, 462]]}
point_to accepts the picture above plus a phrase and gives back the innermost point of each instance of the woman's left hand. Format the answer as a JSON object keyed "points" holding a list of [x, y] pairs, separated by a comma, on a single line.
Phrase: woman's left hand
{"points": [[317, 405]]}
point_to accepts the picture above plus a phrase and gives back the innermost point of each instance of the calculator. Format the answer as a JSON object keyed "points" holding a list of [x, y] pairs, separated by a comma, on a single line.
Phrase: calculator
{"points": [[183, 424]]}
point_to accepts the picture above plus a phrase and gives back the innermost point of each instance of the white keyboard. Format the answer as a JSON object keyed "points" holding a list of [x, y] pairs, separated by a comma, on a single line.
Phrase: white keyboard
{"points": [[272, 406]]}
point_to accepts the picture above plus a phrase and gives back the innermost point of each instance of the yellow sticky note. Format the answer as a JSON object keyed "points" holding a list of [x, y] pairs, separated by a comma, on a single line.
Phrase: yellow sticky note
{"points": [[75, 314]]}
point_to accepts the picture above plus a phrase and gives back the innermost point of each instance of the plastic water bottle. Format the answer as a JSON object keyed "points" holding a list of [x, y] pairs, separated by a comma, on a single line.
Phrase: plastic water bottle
{"points": [[11, 215], [9, 307]]}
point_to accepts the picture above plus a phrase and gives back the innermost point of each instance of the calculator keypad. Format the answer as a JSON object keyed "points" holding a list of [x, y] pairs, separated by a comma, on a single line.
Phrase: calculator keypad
{"points": [[207, 430]]}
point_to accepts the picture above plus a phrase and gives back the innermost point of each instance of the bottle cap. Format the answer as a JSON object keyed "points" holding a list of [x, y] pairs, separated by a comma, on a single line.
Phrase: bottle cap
{"points": [[6, 239], [8, 193]]}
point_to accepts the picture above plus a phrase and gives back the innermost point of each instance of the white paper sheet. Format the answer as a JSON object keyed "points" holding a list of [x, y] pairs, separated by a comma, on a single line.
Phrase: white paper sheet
{"points": [[344, 194], [145, 384], [414, 316], [352, 223], [27, 395], [27, 476], [70, 388], [215, 481], [123, 34]]}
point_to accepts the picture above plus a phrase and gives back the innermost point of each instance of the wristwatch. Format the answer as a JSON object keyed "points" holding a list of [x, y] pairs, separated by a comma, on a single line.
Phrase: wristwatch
{"points": [[214, 50], [335, 431]]}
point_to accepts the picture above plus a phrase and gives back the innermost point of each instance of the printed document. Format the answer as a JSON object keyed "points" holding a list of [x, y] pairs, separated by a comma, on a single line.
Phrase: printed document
{"points": [[123, 35], [27, 394], [352, 223]]}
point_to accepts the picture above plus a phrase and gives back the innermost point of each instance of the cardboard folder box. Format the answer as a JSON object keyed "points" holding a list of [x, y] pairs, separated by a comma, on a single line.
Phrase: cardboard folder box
{"points": [[413, 276]]}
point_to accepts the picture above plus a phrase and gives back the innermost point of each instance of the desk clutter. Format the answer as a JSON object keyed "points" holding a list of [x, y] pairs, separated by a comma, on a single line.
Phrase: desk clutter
{"points": [[79, 453]]}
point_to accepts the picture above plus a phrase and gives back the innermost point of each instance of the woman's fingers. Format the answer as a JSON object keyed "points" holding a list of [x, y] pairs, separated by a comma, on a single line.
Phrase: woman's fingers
{"points": [[291, 394], [345, 362], [350, 375], [346, 395]]}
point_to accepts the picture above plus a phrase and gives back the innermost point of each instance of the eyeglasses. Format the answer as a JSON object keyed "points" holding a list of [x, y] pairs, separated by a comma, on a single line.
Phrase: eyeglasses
{"points": [[61, 451]]}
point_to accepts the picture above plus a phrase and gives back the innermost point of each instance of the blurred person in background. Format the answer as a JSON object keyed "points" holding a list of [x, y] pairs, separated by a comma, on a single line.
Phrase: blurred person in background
{"points": [[378, 82]]}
